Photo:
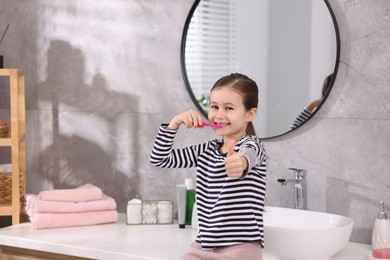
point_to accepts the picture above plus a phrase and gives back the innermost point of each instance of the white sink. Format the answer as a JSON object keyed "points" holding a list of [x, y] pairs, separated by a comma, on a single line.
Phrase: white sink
{"points": [[304, 235]]}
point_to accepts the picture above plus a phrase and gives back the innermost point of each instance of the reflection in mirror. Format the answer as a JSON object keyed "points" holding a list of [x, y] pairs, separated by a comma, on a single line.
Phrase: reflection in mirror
{"points": [[287, 47]]}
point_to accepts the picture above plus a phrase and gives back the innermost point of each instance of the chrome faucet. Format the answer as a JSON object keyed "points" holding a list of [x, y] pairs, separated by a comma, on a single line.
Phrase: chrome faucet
{"points": [[299, 183]]}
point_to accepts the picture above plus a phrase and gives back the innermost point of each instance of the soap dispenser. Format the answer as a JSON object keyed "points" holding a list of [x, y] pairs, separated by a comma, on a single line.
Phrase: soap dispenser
{"points": [[381, 230]]}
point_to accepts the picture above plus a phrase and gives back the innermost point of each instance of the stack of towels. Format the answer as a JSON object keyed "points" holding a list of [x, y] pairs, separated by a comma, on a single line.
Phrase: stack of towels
{"points": [[82, 206]]}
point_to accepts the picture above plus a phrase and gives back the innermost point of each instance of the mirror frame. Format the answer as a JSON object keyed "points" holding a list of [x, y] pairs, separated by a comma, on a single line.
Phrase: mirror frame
{"points": [[195, 101]]}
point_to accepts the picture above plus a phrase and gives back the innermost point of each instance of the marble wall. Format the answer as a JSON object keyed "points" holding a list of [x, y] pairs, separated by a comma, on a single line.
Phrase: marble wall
{"points": [[102, 75]]}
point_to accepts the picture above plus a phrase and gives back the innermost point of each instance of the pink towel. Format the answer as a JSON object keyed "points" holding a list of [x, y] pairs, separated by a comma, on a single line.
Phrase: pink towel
{"points": [[86, 192], [56, 220], [36, 205]]}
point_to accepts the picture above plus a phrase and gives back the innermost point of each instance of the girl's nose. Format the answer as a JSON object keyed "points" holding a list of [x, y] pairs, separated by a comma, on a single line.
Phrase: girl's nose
{"points": [[220, 114]]}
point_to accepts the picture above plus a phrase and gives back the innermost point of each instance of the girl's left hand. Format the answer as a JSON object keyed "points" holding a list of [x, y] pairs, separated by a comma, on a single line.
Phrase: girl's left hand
{"points": [[235, 164]]}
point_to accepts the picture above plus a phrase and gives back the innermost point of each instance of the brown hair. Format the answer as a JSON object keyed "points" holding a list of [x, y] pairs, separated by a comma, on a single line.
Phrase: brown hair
{"points": [[326, 84], [244, 86]]}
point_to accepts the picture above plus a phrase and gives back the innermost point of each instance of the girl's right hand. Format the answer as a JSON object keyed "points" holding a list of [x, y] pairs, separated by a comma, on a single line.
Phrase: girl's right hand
{"points": [[189, 118]]}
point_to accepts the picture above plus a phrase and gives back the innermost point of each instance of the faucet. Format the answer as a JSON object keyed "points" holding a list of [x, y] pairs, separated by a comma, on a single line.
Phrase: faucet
{"points": [[299, 183]]}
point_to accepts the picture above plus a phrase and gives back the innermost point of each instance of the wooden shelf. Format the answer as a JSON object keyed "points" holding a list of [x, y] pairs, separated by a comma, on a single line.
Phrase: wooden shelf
{"points": [[5, 209], [17, 142], [5, 141], [11, 72]]}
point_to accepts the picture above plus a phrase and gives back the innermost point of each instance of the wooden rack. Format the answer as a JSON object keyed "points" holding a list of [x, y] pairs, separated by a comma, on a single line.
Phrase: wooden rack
{"points": [[17, 141]]}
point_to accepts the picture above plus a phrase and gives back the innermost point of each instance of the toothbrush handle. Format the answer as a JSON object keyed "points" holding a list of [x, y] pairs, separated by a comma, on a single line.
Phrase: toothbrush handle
{"points": [[212, 125]]}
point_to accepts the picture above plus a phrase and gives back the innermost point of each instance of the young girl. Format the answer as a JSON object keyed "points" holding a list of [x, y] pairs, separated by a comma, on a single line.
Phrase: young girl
{"points": [[231, 172]]}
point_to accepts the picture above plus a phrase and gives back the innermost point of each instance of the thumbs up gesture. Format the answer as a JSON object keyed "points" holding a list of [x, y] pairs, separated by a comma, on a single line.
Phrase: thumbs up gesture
{"points": [[235, 164]]}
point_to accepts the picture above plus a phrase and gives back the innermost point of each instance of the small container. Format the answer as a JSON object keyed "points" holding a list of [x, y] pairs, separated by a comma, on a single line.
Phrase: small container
{"points": [[149, 212], [381, 230], [134, 212], [164, 212], [194, 220]]}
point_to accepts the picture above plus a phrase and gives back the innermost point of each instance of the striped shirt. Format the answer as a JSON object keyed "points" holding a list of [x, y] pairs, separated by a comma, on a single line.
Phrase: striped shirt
{"points": [[301, 118], [230, 210]]}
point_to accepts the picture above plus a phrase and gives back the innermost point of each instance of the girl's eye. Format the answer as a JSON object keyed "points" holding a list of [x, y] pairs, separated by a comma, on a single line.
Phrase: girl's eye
{"points": [[229, 108], [214, 107]]}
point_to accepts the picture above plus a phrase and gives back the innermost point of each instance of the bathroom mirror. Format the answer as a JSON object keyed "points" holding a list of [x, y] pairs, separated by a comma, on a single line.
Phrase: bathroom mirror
{"points": [[287, 47]]}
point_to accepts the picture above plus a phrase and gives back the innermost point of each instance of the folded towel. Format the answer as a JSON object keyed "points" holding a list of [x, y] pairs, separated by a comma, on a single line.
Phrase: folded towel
{"points": [[85, 192], [56, 220], [36, 205]]}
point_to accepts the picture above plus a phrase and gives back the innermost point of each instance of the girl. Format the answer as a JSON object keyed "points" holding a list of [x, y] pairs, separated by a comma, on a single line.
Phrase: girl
{"points": [[231, 172]]}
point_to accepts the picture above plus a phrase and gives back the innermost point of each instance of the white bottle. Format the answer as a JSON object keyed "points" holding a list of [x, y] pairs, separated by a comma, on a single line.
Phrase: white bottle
{"points": [[194, 223], [381, 230]]}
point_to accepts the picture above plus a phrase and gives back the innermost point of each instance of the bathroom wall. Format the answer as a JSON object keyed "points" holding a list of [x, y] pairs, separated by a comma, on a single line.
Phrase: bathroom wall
{"points": [[102, 75], [345, 148]]}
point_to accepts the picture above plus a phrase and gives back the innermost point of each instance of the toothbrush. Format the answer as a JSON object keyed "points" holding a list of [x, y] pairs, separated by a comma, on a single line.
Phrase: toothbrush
{"points": [[213, 125]]}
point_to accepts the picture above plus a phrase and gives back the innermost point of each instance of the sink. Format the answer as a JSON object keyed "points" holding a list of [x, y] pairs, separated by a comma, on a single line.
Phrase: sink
{"points": [[304, 235]]}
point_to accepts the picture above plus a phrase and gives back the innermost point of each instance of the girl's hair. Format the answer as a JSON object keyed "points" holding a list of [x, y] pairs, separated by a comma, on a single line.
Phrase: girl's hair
{"points": [[246, 87], [326, 84]]}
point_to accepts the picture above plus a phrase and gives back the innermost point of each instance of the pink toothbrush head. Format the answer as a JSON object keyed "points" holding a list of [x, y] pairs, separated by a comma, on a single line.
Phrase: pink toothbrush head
{"points": [[212, 125]]}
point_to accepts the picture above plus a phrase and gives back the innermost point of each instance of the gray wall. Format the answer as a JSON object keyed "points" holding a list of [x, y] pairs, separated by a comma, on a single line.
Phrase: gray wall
{"points": [[102, 75]]}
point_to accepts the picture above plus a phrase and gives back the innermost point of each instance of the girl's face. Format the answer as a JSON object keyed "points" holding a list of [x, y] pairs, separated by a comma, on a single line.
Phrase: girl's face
{"points": [[227, 108]]}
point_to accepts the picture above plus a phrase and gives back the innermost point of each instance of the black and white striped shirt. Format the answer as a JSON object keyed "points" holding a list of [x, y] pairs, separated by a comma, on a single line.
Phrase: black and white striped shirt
{"points": [[301, 118], [230, 210]]}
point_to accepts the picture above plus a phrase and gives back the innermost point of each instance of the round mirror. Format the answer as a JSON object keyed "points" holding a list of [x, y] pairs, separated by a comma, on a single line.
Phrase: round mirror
{"points": [[288, 47]]}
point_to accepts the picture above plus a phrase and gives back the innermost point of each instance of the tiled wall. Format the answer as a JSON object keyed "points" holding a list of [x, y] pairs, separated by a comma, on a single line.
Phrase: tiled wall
{"points": [[102, 75]]}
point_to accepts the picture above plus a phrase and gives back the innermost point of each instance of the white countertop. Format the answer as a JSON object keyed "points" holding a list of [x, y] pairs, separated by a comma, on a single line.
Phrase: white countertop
{"points": [[121, 241]]}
